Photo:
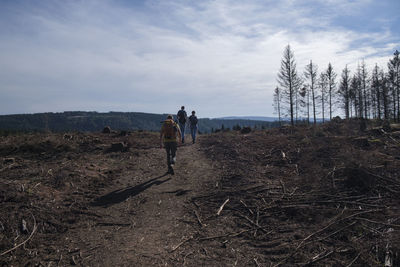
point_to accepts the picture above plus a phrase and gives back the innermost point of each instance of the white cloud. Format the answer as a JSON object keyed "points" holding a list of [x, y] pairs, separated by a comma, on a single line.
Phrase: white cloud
{"points": [[220, 57]]}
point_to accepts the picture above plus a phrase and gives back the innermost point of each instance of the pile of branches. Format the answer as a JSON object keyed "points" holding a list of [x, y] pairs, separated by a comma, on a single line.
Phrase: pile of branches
{"points": [[347, 216]]}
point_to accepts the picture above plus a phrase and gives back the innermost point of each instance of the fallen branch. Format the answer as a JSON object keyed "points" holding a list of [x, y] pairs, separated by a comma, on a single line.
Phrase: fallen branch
{"points": [[244, 204], [354, 260], [222, 207], [331, 222], [30, 236], [319, 257], [112, 224], [381, 223], [256, 225], [198, 218], [181, 243], [226, 235], [334, 233], [283, 187]]}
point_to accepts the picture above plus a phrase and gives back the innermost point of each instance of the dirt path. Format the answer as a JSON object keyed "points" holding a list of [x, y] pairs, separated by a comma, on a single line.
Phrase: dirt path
{"points": [[144, 216]]}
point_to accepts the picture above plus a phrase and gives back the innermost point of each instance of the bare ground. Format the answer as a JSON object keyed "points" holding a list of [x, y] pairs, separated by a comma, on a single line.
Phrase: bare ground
{"points": [[325, 196]]}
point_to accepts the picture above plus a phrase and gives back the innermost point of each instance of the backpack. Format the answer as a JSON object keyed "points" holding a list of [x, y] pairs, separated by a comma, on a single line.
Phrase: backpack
{"points": [[193, 120], [170, 129], [182, 116]]}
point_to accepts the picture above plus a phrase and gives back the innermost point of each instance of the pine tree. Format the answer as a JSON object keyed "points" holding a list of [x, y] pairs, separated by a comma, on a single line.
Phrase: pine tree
{"points": [[376, 93], [363, 76], [331, 77], [394, 80], [290, 82], [385, 94], [344, 91], [277, 102], [311, 74], [323, 85]]}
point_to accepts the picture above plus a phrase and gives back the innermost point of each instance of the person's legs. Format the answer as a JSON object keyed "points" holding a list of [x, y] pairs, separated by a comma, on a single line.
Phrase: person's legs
{"points": [[193, 130], [167, 146], [174, 147], [182, 127]]}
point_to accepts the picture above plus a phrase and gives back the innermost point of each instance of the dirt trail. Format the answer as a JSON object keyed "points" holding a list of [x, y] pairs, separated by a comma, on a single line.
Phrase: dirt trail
{"points": [[144, 216]]}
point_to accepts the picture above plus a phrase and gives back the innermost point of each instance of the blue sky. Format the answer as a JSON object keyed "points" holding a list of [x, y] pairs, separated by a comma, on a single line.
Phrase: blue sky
{"points": [[219, 57]]}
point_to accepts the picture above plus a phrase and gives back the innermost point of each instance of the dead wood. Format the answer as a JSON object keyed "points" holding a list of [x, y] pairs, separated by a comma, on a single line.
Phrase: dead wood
{"points": [[181, 243], [254, 224], [354, 260], [255, 260], [319, 257], [375, 222], [26, 240], [222, 206], [198, 218], [112, 224], [244, 204], [226, 235]]}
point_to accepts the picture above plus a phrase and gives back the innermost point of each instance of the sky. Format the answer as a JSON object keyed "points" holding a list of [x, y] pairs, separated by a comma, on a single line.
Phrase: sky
{"points": [[218, 57]]}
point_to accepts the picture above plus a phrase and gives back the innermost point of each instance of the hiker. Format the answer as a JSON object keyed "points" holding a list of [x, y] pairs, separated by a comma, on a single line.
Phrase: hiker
{"points": [[182, 117], [168, 134], [193, 125]]}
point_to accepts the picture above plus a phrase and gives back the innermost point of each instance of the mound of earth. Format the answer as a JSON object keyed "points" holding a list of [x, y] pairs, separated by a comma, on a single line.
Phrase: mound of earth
{"points": [[323, 196]]}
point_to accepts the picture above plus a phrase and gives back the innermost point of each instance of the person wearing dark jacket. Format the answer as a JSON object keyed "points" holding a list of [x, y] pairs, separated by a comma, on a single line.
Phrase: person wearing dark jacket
{"points": [[193, 126], [182, 118]]}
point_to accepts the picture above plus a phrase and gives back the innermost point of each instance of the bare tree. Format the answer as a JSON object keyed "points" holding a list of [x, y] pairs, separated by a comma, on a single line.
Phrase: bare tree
{"points": [[331, 77], [344, 91], [289, 81], [394, 80], [277, 102], [311, 74], [323, 85], [363, 76], [376, 92], [385, 94], [354, 90], [304, 92]]}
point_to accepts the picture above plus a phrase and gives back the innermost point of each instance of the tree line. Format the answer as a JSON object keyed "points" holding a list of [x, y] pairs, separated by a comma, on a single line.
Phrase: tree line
{"points": [[96, 121], [362, 94]]}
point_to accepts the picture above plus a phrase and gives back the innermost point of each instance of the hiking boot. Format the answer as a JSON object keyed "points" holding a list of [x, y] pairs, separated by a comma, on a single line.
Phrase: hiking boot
{"points": [[170, 170]]}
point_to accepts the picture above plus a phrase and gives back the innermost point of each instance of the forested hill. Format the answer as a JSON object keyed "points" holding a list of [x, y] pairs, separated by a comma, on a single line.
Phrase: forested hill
{"points": [[95, 121]]}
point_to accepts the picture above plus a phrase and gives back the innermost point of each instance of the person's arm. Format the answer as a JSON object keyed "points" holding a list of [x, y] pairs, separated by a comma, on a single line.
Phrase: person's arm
{"points": [[161, 136], [179, 132]]}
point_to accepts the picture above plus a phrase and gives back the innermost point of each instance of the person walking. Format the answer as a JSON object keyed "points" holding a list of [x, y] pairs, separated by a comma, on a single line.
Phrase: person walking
{"points": [[168, 135], [193, 125], [182, 118]]}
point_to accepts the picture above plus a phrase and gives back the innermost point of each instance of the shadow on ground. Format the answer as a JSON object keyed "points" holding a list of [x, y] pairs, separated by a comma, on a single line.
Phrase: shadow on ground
{"points": [[121, 195]]}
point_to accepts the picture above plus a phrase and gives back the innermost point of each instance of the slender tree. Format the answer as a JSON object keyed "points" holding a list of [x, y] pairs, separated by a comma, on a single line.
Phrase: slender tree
{"points": [[394, 81], [344, 91], [331, 77], [385, 94], [277, 103], [376, 92], [354, 95], [363, 76], [304, 101], [311, 74], [289, 81], [323, 85]]}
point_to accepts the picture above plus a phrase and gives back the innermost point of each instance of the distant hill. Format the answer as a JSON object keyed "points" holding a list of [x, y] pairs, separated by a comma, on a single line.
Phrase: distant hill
{"points": [[254, 118], [271, 119], [96, 121]]}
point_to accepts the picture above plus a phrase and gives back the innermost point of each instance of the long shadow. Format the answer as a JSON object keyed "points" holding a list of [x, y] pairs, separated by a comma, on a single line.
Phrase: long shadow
{"points": [[121, 195]]}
